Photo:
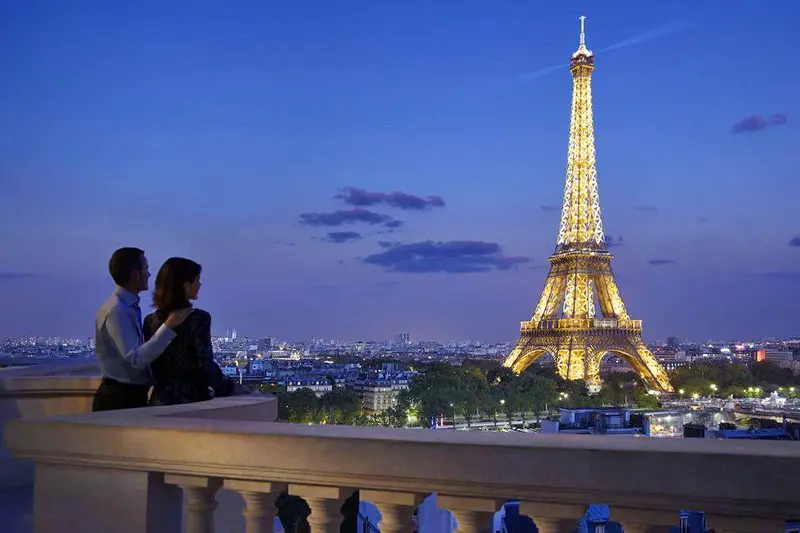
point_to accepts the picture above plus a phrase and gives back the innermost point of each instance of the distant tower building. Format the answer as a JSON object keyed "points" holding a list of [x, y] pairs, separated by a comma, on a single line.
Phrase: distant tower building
{"points": [[233, 334], [672, 342], [403, 338], [267, 344]]}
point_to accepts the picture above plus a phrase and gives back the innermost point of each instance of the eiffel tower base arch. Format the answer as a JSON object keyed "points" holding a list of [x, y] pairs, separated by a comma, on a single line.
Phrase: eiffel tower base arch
{"points": [[577, 353]]}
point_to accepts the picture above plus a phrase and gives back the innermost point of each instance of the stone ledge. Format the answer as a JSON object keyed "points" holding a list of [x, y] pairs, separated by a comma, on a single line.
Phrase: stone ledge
{"points": [[209, 439]]}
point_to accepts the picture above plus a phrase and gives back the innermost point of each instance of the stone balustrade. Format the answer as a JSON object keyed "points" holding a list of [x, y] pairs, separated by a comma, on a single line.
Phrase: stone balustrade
{"points": [[148, 470], [40, 389]]}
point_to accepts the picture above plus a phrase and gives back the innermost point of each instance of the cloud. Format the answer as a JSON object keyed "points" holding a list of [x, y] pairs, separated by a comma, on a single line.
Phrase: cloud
{"points": [[344, 216], [343, 236], [758, 123], [453, 257], [795, 241], [386, 244], [612, 242], [660, 262], [646, 208], [702, 220], [11, 276], [550, 208], [394, 224], [398, 199]]}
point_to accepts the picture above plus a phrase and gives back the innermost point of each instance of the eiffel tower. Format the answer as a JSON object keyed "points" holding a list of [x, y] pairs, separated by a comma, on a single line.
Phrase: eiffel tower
{"points": [[565, 323]]}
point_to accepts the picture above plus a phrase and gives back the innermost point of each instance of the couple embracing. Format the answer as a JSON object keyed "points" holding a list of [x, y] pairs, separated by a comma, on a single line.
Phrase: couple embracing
{"points": [[169, 350]]}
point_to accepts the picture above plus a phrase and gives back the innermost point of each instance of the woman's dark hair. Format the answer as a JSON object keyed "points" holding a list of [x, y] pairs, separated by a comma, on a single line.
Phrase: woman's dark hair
{"points": [[169, 294]]}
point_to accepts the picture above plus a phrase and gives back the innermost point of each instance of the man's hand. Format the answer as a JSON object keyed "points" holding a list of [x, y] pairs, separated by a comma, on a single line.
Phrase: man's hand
{"points": [[176, 318]]}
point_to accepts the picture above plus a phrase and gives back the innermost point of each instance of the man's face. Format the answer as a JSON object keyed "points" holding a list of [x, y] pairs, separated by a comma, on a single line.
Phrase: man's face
{"points": [[142, 275]]}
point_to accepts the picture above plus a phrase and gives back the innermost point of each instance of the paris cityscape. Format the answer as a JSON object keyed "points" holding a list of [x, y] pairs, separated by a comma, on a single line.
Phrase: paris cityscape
{"points": [[624, 307]]}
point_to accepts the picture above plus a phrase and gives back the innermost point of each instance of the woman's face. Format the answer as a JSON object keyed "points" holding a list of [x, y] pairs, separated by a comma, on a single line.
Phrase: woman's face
{"points": [[192, 288]]}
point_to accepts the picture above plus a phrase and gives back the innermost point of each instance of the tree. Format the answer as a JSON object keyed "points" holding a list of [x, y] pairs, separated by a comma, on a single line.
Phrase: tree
{"points": [[535, 392], [343, 406], [435, 392], [301, 406], [473, 388]]}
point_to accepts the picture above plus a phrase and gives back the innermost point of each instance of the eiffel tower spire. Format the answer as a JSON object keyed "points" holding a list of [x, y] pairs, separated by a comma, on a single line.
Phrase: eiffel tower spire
{"points": [[581, 224], [565, 322]]}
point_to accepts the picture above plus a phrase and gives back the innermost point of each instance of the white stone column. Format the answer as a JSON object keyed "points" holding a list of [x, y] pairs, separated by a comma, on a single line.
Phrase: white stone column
{"points": [[259, 503], [199, 496], [397, 509], [325, 503], [474, 515]]}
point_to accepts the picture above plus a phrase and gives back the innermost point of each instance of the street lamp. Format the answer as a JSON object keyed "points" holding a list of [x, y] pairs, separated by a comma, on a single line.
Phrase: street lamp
{"points": [[713, 387]]}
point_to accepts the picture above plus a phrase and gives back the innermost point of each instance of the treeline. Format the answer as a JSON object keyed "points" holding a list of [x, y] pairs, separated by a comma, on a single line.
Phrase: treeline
{"points": [[476, 390], [735, 379]]}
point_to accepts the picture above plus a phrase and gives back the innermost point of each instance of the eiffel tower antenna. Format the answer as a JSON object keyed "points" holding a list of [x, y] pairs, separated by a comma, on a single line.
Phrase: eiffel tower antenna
{"points": [[565, 322]]}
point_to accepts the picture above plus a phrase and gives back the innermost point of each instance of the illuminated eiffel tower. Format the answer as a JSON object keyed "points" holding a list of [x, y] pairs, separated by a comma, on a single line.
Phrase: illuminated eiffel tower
{"points": [[565, 323]]}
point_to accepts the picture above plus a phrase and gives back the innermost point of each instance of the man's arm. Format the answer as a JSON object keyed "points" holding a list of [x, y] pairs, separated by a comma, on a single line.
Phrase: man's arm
{"points": [[123, 333]]}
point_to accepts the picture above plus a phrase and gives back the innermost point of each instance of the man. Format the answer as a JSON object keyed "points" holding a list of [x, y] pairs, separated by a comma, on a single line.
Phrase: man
{"points": [[122, 354]]}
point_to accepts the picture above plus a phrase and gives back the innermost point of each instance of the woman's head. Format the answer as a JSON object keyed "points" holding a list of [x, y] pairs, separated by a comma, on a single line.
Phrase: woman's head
{"points": [[177, 282]]}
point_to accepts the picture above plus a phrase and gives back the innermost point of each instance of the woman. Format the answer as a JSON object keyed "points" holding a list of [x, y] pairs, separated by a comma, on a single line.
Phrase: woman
{"points": [[186, 372]]}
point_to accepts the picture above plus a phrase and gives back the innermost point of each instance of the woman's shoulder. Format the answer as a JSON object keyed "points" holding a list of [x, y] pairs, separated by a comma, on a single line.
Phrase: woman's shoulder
{"points": [[199, 316], [153, 318]]}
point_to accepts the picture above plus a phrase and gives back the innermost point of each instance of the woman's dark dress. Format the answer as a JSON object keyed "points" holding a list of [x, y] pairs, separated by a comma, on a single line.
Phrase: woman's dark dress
{"points": [[186, 369]]}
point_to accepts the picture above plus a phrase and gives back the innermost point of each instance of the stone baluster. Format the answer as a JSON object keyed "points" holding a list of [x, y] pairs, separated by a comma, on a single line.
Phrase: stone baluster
{"points": [[397, 509], [199, 495], [259, 503], [325, 503], [474, 515], [553, 517]]}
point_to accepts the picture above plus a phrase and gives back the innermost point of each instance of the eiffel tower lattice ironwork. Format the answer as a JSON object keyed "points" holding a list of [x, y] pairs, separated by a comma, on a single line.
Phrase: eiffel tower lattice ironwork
{"points": [[566, 323]]}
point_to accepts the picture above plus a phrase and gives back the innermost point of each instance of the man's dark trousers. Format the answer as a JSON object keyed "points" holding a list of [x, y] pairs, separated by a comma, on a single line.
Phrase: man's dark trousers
{"points": [[113, 394]]}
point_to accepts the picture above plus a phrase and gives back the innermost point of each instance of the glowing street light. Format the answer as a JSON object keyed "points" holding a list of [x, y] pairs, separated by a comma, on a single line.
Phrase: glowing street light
{"points": [[713, 387]]}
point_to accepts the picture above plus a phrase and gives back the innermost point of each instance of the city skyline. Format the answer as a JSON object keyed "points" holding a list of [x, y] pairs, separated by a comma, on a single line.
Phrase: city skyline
{"points": [[363, 171]]}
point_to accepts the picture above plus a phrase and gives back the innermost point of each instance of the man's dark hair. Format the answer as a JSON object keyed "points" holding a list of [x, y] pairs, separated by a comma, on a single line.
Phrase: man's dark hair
{"points": [[169, 294], [123, 263]]}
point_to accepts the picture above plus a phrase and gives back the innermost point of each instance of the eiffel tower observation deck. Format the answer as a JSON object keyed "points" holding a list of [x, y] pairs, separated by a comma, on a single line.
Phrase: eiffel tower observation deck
{"points": [[566, 322]]}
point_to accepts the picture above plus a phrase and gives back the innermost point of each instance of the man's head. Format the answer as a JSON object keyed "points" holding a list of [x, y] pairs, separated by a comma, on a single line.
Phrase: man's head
{"points": [[129, 269]]}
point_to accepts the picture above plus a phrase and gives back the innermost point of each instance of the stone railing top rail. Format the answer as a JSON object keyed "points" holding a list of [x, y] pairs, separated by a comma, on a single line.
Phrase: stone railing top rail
{"points": [[223, 438]]}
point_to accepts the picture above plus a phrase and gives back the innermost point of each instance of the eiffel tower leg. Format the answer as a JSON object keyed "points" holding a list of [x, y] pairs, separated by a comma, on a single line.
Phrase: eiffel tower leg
{"points": [[656, 377], [593, 381], [524, 354]]}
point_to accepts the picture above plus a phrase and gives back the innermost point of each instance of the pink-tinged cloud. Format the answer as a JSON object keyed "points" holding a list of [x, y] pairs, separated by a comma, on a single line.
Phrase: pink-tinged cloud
{"points": [[662, 262], [756, 123], [398, 199], [452, 257], [340, 237], [345, 216]]}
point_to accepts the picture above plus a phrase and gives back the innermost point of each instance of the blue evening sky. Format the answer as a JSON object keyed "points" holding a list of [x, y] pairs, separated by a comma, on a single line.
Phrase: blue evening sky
{"points": [[205, 129]]}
